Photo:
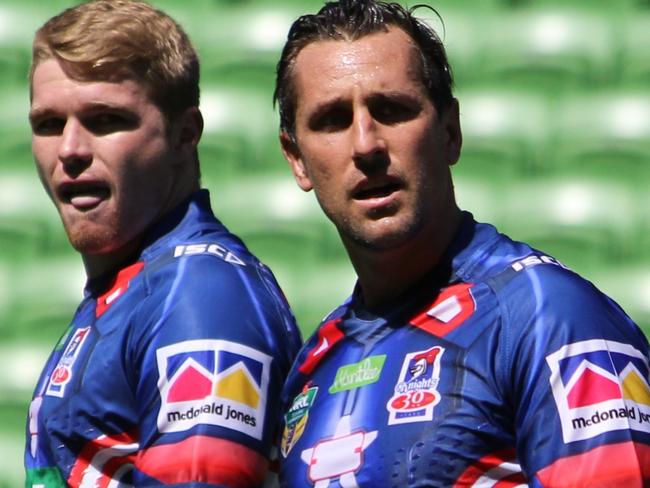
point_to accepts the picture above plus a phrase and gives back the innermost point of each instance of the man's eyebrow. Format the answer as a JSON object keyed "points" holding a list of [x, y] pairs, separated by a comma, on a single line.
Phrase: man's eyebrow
{"points": [[394, 96], [41, 112], [328, 104]]}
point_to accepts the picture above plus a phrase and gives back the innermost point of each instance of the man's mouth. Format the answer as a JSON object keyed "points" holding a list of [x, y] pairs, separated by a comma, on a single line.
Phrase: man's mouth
{"points": [[84, 196], [381, 191]]}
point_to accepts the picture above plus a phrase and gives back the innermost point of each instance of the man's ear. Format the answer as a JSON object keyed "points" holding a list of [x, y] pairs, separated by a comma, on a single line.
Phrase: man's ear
{"points": [[189, 129], [293, 156], [453, 134]]}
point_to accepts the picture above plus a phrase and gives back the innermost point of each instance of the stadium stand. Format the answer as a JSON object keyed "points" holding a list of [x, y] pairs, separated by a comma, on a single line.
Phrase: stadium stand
{"points": [[556, 119]]}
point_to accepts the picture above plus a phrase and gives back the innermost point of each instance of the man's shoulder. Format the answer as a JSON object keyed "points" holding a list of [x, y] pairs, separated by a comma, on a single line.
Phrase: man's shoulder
{"points": [[502, 262], [209, 249]]}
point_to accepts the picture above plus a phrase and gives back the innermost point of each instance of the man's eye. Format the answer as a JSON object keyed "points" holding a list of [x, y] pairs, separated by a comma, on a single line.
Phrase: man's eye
{"points": [[48, 127], [106, 123], [333, 120], [389, 112]]}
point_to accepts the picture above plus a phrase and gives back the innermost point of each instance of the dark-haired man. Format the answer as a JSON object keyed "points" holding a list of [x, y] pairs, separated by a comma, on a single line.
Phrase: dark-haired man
{"points": [[462, 358], [168, 372]]}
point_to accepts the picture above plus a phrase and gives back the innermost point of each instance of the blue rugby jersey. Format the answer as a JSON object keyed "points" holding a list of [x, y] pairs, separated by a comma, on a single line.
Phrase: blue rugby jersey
{"points": [[501, 368], [170, 370]]}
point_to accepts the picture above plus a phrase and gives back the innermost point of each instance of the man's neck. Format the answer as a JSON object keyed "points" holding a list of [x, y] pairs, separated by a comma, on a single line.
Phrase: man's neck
{"points": [[97, 265], [387, 274], [100, 264]]}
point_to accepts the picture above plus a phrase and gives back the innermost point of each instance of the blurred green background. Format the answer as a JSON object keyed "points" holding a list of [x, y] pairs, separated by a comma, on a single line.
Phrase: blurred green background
{"points": [[555, 109]]}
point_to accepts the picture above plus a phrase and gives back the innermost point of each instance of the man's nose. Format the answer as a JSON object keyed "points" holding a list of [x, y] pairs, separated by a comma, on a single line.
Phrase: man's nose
{"points": [[368, 143], [367, 138], [74, 145]]}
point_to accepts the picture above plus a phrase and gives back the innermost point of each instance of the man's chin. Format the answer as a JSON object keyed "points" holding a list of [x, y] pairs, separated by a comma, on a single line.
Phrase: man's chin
{"points": [[94, 243], [382, 239]]}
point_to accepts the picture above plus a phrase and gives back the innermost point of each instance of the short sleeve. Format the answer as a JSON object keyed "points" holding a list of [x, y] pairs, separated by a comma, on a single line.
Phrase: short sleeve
{"points": [[211, 347], [578, 377]]}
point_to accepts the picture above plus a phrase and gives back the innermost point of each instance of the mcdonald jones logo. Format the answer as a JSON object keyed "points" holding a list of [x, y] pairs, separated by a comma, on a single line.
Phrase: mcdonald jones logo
{"points": [[212, 382], [600, 386]]}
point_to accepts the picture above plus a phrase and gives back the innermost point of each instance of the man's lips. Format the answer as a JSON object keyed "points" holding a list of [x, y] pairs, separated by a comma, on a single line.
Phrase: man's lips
{"points": [[83, 195], [368, 190]]}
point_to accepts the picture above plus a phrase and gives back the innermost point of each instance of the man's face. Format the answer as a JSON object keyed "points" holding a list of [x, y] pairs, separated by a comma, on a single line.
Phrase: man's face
{"points": [[104, 156], [370, 142]]}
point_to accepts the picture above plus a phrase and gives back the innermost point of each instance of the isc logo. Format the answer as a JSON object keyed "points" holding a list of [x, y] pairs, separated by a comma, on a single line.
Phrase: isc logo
{"points": [[212, 249], [534, 260]]}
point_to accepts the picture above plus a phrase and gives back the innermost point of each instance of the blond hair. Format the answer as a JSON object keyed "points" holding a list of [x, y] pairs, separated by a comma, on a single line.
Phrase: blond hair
{"points": [[112, 40]]}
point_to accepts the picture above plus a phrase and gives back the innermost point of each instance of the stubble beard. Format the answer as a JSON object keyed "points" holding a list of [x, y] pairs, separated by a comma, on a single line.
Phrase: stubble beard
{"points": [[385, 234], [90, 238]]}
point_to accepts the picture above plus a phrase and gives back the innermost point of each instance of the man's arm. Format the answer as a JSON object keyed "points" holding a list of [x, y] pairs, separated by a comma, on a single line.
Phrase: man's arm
{"points": [[581, 372], [211, 371]]}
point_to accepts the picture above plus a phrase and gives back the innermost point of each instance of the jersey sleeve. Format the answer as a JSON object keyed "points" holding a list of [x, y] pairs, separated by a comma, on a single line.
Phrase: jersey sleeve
{"points": [[577, 370], [215, 341]]}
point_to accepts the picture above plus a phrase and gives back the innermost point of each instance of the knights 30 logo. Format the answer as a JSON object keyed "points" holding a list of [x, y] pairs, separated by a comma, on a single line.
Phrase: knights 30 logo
{"points": [[212, 382], [600, 386], [416, 390]]}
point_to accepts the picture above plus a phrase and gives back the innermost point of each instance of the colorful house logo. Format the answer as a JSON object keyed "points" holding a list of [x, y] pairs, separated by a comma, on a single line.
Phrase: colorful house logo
{"points": [[212, 382], [600, 386]]}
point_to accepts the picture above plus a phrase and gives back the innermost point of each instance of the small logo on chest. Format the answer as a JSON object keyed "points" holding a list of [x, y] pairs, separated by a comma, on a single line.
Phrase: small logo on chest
{"points": [[295, 419], [63, 371], [416, 390], [365, 372], [338, 458]]}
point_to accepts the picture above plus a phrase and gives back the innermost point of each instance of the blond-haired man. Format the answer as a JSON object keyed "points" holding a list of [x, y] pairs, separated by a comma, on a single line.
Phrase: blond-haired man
{"points": [[166, 373]]}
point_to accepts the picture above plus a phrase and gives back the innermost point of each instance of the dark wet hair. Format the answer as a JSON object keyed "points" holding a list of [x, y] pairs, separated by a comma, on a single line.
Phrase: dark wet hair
{"points": [[351, 20]]}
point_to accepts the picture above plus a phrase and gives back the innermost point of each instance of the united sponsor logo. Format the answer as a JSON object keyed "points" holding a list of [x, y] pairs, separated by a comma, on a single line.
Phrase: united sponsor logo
{"points": [[63, 372], [600, 386], [365, 372], [295, 419], [212, 382], [416, 391]]}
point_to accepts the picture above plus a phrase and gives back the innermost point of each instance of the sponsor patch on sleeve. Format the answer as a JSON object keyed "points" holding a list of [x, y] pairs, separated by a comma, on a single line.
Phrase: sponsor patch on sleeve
{"points": [[600, 386], [212, 382]]}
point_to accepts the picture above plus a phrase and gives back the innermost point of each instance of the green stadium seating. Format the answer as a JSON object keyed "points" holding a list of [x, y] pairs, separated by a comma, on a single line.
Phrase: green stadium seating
{"points": [[600, 6], [462, 29], [12, 439], [244, 48], [604, 135], [581, 223], [483, 198], [629, 286], [256, 207], [241, 123], [314, 289], [43, 296], [503, 134], [634, 56], [476, 6], [550, 50]]}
